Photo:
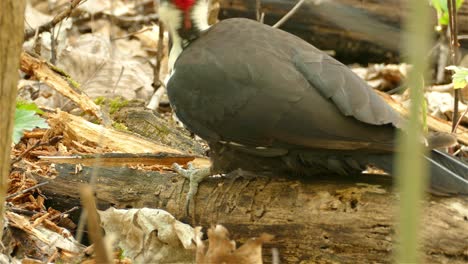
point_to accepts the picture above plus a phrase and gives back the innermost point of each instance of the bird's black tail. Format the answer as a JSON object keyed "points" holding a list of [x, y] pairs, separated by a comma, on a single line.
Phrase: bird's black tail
{"points": [[448, 175]]}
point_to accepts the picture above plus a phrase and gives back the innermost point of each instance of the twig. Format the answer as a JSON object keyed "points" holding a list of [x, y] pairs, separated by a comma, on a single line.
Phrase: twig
{"points": [[442, 60], [53, 47], [39, 143], [159, 56], [122, 69], [64, 213], [54, 34], [26, 190], [133, 33], [157, 83], [289, 14], [47, 26], [441, 87], [460, 118], [462, 37], [258, 11], [95, 233], [22, 211], [454, 55], [275, 259], [15, 160], [156, 98]]}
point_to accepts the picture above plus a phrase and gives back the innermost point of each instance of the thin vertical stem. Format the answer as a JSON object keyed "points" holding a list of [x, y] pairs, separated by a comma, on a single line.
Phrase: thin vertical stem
{"points": [[410, 167], [11, 41], [452, 8]]}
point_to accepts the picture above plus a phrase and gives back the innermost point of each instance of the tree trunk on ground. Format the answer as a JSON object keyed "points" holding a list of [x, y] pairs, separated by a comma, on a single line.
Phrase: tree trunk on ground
{"points": [[356, 30], [325, 220], [11, 40]]}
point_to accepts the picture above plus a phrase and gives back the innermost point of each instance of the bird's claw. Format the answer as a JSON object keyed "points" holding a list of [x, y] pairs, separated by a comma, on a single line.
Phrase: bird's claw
{"points": [[195, 176]]}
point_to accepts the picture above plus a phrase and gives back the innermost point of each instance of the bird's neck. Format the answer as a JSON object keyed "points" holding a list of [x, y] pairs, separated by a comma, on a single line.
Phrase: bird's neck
{"points": [[184, 26]]}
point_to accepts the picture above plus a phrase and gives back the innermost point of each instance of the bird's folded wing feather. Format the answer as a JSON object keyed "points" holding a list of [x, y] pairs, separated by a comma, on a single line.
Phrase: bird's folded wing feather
{"points": [[349, 92], [301, 99]]}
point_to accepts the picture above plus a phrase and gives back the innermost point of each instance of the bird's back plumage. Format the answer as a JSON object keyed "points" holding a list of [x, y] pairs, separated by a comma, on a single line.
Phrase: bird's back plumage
{"points": [[299, 96], [267, 93]]}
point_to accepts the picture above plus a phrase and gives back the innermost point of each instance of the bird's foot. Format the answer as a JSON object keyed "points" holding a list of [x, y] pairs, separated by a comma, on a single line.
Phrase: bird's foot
{"points": [[195, 176]]}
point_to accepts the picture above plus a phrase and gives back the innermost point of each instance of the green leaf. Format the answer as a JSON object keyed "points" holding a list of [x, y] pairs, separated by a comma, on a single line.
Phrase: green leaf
{"points": [[444, 19], [438, 5], [26, 120], [459, 77], [25, 105], [442, 10]]}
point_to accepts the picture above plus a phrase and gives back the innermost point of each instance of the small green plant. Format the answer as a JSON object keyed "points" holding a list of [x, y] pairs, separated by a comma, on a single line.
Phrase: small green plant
{"points": [[459, 77], [113, 104], [119, 126], [25, 105], [442, 10], [26, 118]]}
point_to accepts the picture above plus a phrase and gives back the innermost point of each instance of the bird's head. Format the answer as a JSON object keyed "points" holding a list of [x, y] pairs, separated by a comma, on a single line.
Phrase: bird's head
{"points": [[185, 20]]}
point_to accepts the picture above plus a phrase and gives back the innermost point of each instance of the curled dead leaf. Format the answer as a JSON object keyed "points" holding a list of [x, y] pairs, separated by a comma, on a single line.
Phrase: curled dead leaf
{"points": [[223, 250]]}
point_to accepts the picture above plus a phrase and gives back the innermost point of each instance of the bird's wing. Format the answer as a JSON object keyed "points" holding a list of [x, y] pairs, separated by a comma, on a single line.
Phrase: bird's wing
{"points": [[350, 93], [228, 91]]}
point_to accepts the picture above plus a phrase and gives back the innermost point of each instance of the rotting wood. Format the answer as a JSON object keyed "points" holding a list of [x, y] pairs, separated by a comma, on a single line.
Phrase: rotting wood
{"points": [[327, 220], [128, 159], [77, 129], [157, 128], [44, 73]]}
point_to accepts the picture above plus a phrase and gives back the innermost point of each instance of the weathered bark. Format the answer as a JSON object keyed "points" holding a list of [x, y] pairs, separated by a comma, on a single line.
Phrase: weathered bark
{"points": [[329, 220], [11, 39], [145, 123], [80, 133], [77, 129]]}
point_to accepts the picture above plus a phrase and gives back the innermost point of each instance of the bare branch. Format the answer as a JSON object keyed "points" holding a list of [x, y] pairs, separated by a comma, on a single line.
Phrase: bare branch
{"points": [[289, 14], [46, 27]]}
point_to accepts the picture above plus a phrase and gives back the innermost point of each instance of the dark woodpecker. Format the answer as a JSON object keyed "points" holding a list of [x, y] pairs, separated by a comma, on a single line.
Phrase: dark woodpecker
{"points": [[264, 100]]}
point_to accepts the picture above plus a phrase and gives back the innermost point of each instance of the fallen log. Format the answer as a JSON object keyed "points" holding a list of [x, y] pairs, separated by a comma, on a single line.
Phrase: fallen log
{"points": [[326, 220], [357, 31], [332, 25]]}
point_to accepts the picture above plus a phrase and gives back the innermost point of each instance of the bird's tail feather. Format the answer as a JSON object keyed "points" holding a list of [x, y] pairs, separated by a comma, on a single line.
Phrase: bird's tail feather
{"points": [[448, 175]]}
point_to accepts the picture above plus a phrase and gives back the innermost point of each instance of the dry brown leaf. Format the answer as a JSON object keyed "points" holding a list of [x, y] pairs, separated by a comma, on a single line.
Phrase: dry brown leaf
{"points": [[440, 104], [223, 250], [35, 18], [103, 70], [116, 8], [383, 77], [150, 235]]}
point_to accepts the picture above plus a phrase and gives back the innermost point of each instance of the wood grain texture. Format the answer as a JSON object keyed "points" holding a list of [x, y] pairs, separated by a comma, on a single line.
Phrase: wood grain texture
{"points": [[327, 220]]}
